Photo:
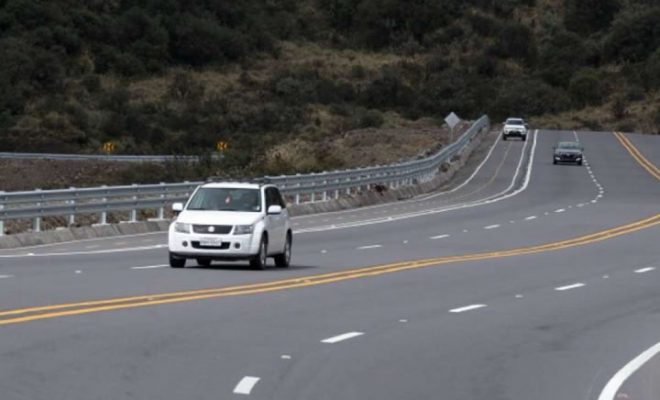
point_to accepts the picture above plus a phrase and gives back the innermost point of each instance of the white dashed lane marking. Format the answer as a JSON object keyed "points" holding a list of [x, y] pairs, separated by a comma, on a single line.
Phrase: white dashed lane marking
{"points": [[467, 308], [438, 237], [492, 226], [6, 276], [246, 385], [373, 246], [342, 337], [561, 210], [569, 287], [531, 217], [644, 270]]}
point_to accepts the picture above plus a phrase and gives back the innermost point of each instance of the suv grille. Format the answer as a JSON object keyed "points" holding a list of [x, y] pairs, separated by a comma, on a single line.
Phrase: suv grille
{"points": [[212, 229]]}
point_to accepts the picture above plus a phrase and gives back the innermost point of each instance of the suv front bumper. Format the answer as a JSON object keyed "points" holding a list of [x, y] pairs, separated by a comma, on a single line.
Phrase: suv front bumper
{"points": [[227, 247]]}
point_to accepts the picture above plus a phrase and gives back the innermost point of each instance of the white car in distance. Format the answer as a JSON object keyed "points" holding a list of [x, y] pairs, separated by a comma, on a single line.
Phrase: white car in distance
{"points": [[514, 127], [231, 221]]}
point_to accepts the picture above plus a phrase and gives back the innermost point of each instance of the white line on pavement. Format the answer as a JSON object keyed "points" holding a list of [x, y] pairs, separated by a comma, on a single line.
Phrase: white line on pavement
{"points": [[644, 270], [342, 337], [439, 237], [150, 267], [531, 217], [492, 226], [6, 276], [561, 210], [467, 308], [610, 390], [246, 385], [569, 287], [373, 246]]}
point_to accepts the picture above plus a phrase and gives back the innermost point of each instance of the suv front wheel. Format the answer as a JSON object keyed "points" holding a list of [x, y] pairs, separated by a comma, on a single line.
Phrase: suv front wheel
{"points": [[177, 262], [259, 261], [284, 260]]}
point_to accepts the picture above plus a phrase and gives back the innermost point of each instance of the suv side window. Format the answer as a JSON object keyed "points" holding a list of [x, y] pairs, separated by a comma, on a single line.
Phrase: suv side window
{"points": [[274, 198], [280, 199], [270, 199]]}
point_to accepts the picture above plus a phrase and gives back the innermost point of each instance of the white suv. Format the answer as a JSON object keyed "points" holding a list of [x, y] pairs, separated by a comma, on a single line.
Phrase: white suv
{"points": [[514, 127], [231, 221]]}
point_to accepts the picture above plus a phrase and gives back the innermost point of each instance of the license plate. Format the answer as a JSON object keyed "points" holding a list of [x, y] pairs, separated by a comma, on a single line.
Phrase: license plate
{"points": [[210, 242]]}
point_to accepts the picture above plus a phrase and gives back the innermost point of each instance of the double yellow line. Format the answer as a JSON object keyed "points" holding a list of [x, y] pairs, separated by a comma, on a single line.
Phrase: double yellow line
{"points": [[22, 315], [637, 155], [62, 310]]}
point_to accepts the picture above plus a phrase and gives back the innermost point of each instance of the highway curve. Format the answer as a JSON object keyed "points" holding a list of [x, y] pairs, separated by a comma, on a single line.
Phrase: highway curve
{"points": [[528, 281]]}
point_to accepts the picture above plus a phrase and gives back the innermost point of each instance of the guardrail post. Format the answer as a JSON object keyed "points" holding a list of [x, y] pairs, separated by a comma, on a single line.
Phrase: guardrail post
{"points": [[161, 210], [134, 210], [36, 223], [72, 216], [312, 197], [2, 222], [325, 192], [104, 214]]}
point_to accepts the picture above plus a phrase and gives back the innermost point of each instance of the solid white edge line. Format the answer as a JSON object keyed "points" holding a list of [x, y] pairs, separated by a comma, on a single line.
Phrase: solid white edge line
{"points": [[342, 337], [151, 267], [246, 385], [78, 253], [467, 308], [613, 385], [569, 287], [644, 270]]}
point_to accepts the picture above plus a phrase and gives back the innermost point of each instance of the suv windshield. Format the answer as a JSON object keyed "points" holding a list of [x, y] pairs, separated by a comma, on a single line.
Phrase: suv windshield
{"points": [[226, 199], [514, 122]]}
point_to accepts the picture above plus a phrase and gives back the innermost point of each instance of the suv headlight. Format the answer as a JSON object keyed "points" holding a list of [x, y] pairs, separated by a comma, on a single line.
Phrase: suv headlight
{"points": [[182, 227], [243, 229]]}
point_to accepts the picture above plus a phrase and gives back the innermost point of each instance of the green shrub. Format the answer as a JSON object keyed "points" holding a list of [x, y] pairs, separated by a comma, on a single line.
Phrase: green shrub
{"points": [[588, 16], [586, 88], [634, 35]]}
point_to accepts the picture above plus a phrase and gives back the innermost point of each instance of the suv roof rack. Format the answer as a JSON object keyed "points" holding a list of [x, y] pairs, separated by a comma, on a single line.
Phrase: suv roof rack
{"points": [[259, 181]]}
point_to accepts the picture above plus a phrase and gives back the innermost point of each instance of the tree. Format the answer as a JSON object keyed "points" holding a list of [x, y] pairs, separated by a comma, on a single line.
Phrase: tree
{"points": [[586, 88], [634, 35], [589, 16]]}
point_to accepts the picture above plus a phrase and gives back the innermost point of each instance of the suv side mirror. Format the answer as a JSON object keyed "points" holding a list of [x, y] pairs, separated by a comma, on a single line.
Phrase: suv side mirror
{"points": [[177, 207], [274, 210]]}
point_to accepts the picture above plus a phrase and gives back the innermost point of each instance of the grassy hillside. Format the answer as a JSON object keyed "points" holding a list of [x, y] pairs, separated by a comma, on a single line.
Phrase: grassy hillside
{"points": [[173, 76]]}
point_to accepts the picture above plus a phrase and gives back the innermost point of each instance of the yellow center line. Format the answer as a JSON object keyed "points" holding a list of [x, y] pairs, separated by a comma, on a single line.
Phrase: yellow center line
{"points": [[62, 310], [637, 155]]}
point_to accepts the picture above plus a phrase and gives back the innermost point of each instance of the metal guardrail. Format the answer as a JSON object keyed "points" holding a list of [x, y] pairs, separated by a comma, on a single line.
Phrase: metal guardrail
{"points": [[37, 204]]}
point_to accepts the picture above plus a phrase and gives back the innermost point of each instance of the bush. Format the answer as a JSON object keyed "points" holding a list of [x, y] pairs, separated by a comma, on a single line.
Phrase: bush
{"points": [[634, 35], [364, 118], [528, 97], [586, 88], [516, 41], [199, 41], [588, 16]]}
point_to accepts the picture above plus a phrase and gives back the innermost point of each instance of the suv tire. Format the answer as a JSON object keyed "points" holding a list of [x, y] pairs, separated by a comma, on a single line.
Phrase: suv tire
{"points": [[177, 262], [259, 261], [284, 260], [503, 137]]}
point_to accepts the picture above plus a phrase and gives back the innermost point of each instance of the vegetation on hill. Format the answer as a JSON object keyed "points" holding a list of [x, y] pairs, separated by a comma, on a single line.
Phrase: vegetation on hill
{"points": [[174, 76]]}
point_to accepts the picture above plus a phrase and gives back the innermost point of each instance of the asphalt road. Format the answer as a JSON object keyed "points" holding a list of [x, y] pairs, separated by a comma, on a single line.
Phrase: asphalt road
{"points": [[528, 281]]}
